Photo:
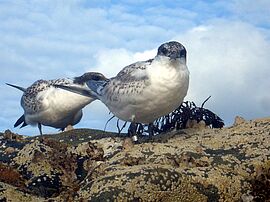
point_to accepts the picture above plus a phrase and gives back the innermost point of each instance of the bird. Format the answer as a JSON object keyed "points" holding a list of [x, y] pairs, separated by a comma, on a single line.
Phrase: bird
{"points": [[45, 104], [145, 90]]}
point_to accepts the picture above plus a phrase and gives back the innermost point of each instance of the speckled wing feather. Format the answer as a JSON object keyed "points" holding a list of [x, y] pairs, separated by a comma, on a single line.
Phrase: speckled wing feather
{"points": [[131, 80], [30, 101], [60, 82], [133, 72]]}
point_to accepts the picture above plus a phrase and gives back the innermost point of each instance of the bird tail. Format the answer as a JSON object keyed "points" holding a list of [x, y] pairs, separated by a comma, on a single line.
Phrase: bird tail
{"points": [[19, 121], [18, 87]]}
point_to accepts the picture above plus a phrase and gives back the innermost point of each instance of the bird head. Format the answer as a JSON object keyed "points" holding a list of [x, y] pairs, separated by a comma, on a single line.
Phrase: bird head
{"points": [[96, 76], [173, 50]]}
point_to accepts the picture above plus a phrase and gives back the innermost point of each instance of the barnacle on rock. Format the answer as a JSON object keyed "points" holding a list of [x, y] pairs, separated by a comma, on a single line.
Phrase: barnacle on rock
{"points": [[231, 164], [261, 183], [11, 176]]}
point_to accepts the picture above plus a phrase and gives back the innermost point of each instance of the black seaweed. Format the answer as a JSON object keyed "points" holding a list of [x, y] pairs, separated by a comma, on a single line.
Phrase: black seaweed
{"points": [[178, 119]]}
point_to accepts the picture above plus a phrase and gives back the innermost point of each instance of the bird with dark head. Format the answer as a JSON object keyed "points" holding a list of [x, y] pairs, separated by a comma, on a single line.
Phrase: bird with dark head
{"points": [[145, 90], [45, 104]]}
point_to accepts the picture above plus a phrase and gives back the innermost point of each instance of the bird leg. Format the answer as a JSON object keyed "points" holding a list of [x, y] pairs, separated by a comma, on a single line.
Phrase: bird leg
{"points": [[132, 131], [151, 130], [39, 127], [68, 128], [118, 127]]}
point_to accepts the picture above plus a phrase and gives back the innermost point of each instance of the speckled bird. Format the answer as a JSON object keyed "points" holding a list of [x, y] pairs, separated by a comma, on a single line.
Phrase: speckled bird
{"points": [[145, 90], [45, 104]]}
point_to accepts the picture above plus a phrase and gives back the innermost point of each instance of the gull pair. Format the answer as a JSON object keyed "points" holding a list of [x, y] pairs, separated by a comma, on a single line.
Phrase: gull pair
{"points": [[139, 93]]}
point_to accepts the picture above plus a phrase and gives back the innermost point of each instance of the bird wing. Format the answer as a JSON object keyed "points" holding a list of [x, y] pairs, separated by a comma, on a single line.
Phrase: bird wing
{"points": [[129, 82], [30, 100], [63, 81], [130, 76], [133, 72]]}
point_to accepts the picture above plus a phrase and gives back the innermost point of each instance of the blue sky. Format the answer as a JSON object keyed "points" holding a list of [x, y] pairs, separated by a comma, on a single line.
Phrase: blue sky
{"points": [[228, 44]]}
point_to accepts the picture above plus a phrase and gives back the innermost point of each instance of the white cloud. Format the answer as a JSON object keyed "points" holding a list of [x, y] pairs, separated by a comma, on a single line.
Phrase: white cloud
{"points": [[257, 12], [230, 61], [111, 61]]}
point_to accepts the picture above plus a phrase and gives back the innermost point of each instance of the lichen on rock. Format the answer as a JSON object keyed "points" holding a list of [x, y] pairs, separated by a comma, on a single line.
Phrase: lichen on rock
{"points": [[195, 164]]}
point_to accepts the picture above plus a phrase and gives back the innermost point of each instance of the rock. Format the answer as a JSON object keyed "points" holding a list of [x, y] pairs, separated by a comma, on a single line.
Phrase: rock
{"points": [[11, 193], [128, 144], [140, 183], [195, 164], [12, 136], [11, 176], [9, 150], [195, 124], [238, 120]]}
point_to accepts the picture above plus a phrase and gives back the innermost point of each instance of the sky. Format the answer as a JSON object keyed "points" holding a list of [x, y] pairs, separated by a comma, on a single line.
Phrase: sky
{"points": [[227, 42]]}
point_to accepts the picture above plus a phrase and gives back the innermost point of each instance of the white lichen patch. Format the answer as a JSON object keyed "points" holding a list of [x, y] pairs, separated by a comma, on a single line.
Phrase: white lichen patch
{"points": [[110, 146], [26, 158]]}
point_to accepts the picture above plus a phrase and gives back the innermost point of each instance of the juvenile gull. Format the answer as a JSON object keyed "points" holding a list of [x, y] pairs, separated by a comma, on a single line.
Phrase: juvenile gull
{"points": [[45, 104], [145, 90]]}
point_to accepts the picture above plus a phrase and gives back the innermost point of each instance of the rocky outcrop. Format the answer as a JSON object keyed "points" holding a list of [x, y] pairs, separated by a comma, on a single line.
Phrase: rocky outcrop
{"points": [[195, 164]]}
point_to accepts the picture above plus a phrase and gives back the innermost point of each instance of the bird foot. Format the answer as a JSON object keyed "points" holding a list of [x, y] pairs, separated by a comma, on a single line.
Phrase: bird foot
{"points": [[68, 128]]}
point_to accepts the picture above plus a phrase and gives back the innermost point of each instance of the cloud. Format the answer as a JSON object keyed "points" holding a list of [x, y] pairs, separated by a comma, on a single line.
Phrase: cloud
{"points": [[111, 61], [230, 61], [256, 12]]}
